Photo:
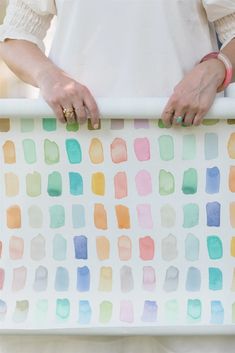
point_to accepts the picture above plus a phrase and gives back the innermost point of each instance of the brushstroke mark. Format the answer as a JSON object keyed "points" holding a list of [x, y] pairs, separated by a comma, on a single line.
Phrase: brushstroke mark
{"points": [[3, 309], [117, 124], [146, 246], [189, 147], [120, 185], [33, 184], [100, 216], [74, 151], [169, 248], [96, 151], [214, 247], [40, 279], [98, 183], [212, 180], [41, 310], [215, 278], [232, 214], [16, 248], [35, 216], [124, 248], [57, 216], [171, 279], [21, 311], [11, 184], [9, 152], [126, 311], [106, 278], [166, 147], [149, 278], [61, 279], [59, 248], [211, 150], [2, 278], [144, 216], [105, 314], [4, 125], [14, 217], [19, 278], [232, 179], [191, 215], [84, 312], [122, 216], [189, 185], [213, 214], [166, 183], [150, 311], [172, 311], [62, 309], [118, 151], [75, 183], [83, 279], [231, 146], [141, 123], [193, 280], [78, 216], [191, 247], [102, 248], [142, 149], [51, 152], [26, 125], [80, 247], [232, 247], [143, 183], [49, 124], [54, 185], [38, 248], [217, 312], [126, 279], [168, 216], [194, 310], [29, 149]]}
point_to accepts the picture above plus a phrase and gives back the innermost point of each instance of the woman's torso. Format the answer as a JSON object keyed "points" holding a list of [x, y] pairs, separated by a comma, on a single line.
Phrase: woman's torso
{"points": [[130, 47]]}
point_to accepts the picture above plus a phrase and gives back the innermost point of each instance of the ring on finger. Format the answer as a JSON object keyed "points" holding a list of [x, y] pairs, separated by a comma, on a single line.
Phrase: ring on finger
{"points": [[69, 114], [178, 119]]}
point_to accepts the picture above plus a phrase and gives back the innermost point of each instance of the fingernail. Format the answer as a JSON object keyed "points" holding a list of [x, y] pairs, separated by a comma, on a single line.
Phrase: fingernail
{"points": [[95, 126]]}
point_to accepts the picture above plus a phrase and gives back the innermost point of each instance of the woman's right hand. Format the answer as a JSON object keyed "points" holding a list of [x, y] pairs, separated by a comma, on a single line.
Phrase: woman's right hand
{"points": [[61, 91]]}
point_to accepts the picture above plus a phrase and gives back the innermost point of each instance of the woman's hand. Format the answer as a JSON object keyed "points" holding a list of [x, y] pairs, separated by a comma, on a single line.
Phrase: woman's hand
{"points": [[60, 91], [194, 94]]}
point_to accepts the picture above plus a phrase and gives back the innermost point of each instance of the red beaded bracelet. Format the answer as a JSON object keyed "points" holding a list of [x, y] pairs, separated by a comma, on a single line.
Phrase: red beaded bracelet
{"points": [[227, 63]]}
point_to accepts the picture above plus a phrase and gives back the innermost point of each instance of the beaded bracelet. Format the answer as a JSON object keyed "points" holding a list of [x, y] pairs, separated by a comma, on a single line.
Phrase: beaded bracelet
{"points": [[227, 63]]}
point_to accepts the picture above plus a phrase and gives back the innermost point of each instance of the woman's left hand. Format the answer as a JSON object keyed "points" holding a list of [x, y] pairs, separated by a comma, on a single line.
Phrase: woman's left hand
{"points": [[194, 94]]}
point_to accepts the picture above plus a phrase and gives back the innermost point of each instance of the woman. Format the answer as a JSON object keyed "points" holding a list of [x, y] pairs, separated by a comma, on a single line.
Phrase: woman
{"points": [[118, 49], [107, 49]]}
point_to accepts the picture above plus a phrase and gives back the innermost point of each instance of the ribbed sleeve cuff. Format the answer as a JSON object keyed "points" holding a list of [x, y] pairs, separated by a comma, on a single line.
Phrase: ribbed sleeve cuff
{"points": [[21, 22], [225, 28]]}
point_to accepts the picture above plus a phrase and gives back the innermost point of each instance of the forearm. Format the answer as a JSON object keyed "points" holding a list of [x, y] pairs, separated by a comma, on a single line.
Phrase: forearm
{"points": [[26, 60], [229, 50]]}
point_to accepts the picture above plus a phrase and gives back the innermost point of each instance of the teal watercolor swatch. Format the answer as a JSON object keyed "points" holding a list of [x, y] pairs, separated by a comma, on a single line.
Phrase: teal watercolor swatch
{"points": [[76, 183], [166, 147], [194, 310], [59, 247], [191, 215], [191, 247], [166, 183], [215, 278], [189, 147], [26, 125], [29, 151], [78, 216], [189, 185], [49, 124], [215, 247], [57, 216], [54, 185], [74, 151], [62, 309], [51, 152]]}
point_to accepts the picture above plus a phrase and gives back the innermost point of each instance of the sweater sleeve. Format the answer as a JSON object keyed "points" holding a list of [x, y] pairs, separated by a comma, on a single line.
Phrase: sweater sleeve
{"points": [[222, 14], [28, 20]]}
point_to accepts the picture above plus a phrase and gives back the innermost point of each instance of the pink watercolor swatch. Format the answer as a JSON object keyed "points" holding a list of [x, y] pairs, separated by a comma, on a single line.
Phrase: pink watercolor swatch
{"points": [[126, 311], [144, 216], [118, 150], [142, 149], [143, 183], [146, 245], [120, 185]]}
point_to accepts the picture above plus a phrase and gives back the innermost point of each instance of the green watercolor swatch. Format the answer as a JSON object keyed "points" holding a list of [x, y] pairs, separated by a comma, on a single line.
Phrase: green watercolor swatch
{"points": [[74, 152], [90, 127], [230, 121], [29, 151], [209, 122], [106, 308], [214, 246], [59, 247], [166, 183], [72, 127], [49, 124], [33, 184], [166, 147], [189, 147], [215, 278], [41, 310], [51, 152], [172, 310], [54, 186], [194, 310], [26, 125], [62, 309], [191, 215], [189, 185], [57, 216]]}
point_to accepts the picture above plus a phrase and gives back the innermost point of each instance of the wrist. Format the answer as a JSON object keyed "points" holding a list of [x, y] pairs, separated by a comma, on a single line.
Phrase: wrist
{"points": [[216, 69], [48, 71]]}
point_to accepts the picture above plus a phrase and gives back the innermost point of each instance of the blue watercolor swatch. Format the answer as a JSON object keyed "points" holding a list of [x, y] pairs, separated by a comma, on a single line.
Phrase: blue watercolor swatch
{"points": [[84, 315], [191, 247], [80, 247], [83, 279], [213, 214], [150, 311], [78, 216], [193, 281], [211, 146], [217, 312], [61, 279], [212, 180]]}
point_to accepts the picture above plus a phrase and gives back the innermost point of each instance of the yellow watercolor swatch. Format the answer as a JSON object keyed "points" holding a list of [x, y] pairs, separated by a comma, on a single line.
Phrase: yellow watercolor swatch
{"points": [[11, 184], [100, 216], [105, 283], [231, 146], [232, 247], [96, 151], [9, 152], [233, 281], [102, 247], [232, 179], [98, 183], [232, 214]]}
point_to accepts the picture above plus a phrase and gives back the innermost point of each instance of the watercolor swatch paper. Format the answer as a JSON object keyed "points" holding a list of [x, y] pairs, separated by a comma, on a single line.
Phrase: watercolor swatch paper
{"points": [[128, 226]]}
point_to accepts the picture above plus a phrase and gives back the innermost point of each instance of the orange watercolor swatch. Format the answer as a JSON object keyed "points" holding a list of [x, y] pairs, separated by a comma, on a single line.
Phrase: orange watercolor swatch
{"points": [[11, 184], [4, 124], [232, 179], [123, 216], [14, 217], [16, 248], [102, 248], [98, 183], [120, 185], [100, 216], [231, 146], [232, 214], [2, 277], [9, 152], [124, 248], [96, 151], [118, 150]]}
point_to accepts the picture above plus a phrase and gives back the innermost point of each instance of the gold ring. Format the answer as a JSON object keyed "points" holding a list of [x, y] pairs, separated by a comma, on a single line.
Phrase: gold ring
{"points": [[69, 114]]}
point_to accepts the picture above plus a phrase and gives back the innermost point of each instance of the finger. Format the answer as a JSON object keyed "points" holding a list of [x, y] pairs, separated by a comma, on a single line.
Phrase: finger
{"points": [[178, 118], [167, 116], [198, 118], [69, 113], [58, 113], [188, 119], [81, 112], [92, 107]]}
